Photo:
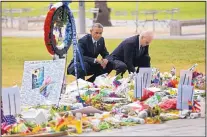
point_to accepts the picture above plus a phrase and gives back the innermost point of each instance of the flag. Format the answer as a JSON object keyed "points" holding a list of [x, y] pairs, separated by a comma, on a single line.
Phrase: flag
{"points": [[190, 105], [8, 119], [197, 106]]}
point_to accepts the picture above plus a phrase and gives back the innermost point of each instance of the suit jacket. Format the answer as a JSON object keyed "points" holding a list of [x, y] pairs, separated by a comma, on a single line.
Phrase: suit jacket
{"points": [[128, 52], [86, 47]]}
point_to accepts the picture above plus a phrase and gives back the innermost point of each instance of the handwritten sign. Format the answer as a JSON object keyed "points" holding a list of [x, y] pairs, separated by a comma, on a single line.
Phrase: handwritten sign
{"points": [[11, 100], [147, 76], [185, 90], [185, 77], [142, 80]]}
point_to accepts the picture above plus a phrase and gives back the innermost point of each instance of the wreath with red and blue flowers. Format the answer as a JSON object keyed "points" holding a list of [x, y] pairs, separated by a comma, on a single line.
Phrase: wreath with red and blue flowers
{"points": [[60, 18]]}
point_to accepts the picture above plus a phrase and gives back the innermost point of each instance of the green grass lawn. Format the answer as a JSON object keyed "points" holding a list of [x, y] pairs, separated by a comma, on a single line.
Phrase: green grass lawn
{"points": [[164, 54], [188, 10]]}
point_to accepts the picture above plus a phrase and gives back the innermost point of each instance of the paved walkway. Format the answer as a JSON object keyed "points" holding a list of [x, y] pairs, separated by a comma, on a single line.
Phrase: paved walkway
{"points": [[109, 33], [181, 127], [117, 31]]}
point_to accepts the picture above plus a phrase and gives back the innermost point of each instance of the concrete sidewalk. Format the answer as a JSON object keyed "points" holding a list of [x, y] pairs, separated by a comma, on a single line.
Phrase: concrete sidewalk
{"points": [[181, 127]]}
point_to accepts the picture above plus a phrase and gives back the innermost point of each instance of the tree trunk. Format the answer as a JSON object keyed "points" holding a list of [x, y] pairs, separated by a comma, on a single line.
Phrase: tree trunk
{"points": [[104, 13]]}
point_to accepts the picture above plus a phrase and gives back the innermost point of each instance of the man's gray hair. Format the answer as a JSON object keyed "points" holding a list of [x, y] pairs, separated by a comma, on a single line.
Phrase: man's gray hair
{"points": [[99, 25], [147, 34]]}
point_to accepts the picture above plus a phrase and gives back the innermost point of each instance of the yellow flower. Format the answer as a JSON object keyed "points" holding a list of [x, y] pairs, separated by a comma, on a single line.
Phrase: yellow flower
{"points": [[36, 129]]}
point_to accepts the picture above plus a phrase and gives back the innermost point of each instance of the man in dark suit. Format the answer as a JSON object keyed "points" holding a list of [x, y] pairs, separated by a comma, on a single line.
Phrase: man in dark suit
{"points": [[131, 53], [90, 46]]}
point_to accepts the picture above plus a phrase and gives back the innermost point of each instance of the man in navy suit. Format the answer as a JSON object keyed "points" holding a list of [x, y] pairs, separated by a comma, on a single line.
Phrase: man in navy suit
{"points": [[90, 46], [131, 53]]}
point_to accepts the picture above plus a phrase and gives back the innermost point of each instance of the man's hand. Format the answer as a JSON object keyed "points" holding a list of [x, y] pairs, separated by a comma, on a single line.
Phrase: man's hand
{"points": [[98, 61], [102, 62]]}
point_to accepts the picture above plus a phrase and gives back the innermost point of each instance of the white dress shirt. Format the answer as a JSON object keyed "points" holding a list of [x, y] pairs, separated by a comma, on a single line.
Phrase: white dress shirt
{"points": [[139, 41], [94, 41]]}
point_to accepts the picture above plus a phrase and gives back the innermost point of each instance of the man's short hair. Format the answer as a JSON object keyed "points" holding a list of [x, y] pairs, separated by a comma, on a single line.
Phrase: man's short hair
{"points": [[147, 33], [99, 25]]}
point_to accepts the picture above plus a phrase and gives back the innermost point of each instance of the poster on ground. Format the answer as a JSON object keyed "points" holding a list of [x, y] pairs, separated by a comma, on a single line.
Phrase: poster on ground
{"points": [[42, 82]]}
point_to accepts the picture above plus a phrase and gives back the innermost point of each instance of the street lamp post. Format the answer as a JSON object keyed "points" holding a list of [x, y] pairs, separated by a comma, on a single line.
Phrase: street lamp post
{"points": [[82, 20], [136, 16]]}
